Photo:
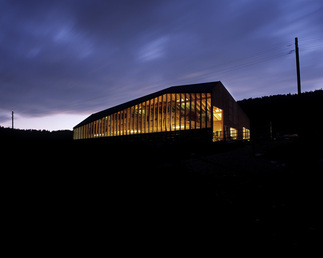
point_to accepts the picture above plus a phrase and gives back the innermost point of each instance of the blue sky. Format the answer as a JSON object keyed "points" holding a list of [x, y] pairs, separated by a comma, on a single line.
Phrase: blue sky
{"points": [[62, 60]]}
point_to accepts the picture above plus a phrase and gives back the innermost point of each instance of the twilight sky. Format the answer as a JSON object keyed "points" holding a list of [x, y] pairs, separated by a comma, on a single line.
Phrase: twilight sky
{"points": [[62, 60]]}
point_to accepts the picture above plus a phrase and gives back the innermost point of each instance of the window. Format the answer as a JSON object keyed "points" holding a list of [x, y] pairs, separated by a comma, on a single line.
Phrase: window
{"points": [[135, 128], [139, 114], [109, 126], [160, 113], [147, 117], [203, 111], [246, 133], [198, 111], [178, 110], [173, 115], [168, 112], [233, 133], [217, 124], [151, 116], [208, 110], [156, 115], [192, 116], [187, 111]]}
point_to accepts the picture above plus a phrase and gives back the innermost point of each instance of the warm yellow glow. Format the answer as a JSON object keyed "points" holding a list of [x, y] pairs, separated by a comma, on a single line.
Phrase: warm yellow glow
{"points": [[246, 133], [233, 133], [178, 127], [217, 124], [169, 112], [165, 113]]}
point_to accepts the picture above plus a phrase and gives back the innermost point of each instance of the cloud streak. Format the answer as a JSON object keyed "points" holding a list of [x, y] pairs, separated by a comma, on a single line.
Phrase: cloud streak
{"points": [[76, 57]]}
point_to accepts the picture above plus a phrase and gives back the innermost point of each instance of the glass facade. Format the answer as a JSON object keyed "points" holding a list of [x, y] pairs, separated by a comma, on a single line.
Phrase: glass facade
{"points": [[165, 113]]}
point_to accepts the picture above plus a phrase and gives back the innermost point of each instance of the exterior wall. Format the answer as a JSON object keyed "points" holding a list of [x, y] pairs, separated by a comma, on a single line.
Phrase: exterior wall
{"points": [[236, 124]]}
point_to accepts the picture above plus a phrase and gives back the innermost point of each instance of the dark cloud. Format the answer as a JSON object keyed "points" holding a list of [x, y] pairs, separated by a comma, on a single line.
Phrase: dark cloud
{"points": [[82, 56]]}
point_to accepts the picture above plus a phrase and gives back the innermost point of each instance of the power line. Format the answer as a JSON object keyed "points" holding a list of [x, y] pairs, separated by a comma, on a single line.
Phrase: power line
{"points": [[277, 51], [260, 57]]}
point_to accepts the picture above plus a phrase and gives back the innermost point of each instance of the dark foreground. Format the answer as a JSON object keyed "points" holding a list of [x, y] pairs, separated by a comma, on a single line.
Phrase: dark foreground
{"points": [[152, 200]]}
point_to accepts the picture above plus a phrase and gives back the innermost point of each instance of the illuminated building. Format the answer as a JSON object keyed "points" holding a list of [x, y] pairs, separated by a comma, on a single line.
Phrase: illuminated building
{"points": [[197, 112]]}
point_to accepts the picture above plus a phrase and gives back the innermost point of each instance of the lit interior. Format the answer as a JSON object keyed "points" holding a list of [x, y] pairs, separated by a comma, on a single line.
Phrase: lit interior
{"points": [[168, 112], [217, 124], [246, 133], [233, 133]]}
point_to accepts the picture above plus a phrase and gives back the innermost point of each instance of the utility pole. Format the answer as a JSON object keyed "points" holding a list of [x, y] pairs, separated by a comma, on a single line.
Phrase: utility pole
{"points": [[297, 68], [12, 118]]}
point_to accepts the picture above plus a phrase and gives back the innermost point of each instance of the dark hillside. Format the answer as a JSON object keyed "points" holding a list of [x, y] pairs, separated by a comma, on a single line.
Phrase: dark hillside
{"points": [[286, 114], [240, 196], [20, 134], [223, 195]]}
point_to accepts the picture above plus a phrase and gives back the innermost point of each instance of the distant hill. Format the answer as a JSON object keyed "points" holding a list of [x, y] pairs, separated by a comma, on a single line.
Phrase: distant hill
{"points": [[275, 116], [20, 134], [285, 114]]}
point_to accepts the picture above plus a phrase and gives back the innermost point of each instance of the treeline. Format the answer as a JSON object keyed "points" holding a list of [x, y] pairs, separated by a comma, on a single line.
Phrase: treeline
{"points": [[270, 117], [21, 134], [280, 115]]}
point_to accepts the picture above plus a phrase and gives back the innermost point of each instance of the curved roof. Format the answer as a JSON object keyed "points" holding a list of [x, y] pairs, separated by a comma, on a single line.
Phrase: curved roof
{"points": [[191, 88]]}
